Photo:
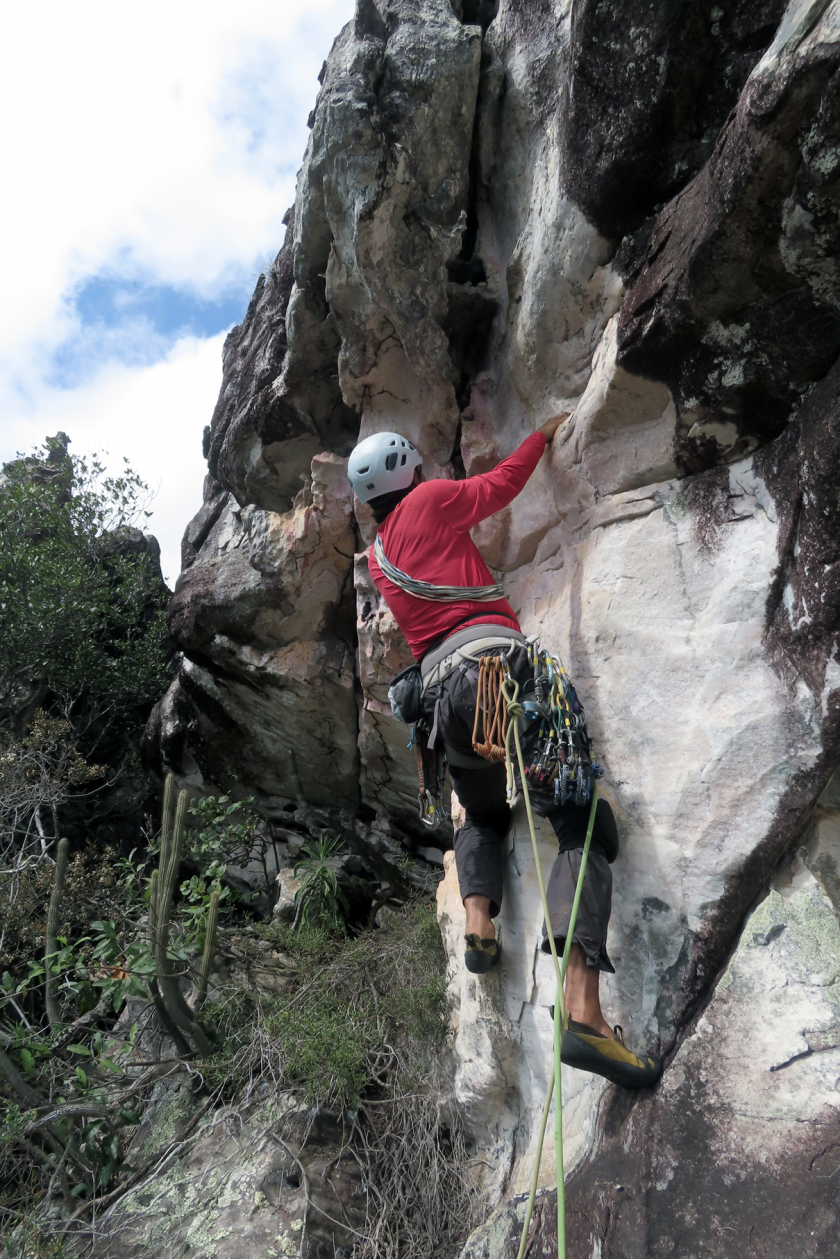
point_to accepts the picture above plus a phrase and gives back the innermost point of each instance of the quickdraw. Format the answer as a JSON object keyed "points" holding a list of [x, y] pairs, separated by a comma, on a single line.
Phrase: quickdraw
{"points": [[562, 757], [431, 773]]}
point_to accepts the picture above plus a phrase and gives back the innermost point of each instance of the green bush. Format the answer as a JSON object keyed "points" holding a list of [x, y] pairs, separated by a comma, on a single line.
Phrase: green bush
{"points": [[356, 1005], [320, 898]]}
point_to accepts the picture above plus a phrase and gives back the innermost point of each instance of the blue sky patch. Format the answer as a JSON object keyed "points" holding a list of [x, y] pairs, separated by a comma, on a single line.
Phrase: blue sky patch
{"points": [[136, 324], [170, 311]]}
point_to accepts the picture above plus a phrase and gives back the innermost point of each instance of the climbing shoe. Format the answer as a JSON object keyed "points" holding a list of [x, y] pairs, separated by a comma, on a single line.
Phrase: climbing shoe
{"points": [[481, 955], [588, 1050]]}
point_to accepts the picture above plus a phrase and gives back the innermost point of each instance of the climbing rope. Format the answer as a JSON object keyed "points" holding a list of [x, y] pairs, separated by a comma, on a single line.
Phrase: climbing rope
{"points": [[515, 712], [428, 590], [488, 736]]}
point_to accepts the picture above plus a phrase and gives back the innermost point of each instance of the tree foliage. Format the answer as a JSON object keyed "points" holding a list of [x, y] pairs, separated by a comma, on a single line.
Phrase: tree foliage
{"points": [[81, 604]]}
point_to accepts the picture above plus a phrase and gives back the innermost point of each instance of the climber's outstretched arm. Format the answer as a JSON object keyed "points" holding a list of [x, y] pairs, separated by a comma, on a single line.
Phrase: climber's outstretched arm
{"points": [[464, 503]]}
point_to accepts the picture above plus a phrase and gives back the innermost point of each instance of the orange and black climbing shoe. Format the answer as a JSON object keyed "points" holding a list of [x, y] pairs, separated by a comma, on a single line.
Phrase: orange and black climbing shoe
{"points": [[481, 955], [588, 1050]]}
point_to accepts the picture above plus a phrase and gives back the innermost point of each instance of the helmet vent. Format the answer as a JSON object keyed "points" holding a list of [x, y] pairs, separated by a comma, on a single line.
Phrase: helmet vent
{"points": [[362, 471], [402, 462], [391, 462]]}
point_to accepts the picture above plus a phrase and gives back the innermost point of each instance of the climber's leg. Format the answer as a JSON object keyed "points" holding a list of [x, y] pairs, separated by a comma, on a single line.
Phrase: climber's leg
{"points": [[589, 1044], [570, 825], [593, 917], [588, 954], [479, 855], [582, 993], [478, 917], [478, 843]]}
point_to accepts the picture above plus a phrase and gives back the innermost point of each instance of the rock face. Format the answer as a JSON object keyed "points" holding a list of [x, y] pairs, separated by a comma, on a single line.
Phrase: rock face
{"points": [[238, 1189], [737, 1150], [630, 211]]}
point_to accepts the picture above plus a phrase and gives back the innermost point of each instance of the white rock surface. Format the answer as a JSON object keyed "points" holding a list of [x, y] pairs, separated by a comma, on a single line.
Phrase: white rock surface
{"points": [[748, 1104], [288, 887]]}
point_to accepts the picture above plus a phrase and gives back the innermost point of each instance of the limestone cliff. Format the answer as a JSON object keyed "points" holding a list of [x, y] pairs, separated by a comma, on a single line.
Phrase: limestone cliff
{"points": [[632, 211]]}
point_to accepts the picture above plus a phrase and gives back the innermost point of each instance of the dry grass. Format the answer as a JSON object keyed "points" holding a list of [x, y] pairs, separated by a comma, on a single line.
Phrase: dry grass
{"points": [[364, 1031]]}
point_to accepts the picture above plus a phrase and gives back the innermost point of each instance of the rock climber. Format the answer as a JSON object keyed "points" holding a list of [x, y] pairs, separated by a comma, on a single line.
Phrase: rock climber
{"points": [[424, 534]]}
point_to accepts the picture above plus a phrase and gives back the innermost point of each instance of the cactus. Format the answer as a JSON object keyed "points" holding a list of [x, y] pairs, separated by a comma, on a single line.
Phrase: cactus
{"points": [[153, 894], [207, 955], [181, 1043], [50, 1000], [166, 827], [178, 1014]]}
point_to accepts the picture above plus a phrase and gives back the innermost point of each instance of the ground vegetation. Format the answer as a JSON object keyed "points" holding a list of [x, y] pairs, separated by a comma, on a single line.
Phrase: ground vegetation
{"points": [[122, 973]]}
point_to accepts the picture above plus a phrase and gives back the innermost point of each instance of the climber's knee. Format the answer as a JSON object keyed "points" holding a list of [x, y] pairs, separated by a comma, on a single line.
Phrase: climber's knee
{"points": [[571, 823]]}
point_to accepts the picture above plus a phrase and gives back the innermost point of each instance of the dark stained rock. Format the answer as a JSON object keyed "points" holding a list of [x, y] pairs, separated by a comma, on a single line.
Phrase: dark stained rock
{"points": [[802, 469], [260, 441], [649, 88], [735, 304], [198, 530]]}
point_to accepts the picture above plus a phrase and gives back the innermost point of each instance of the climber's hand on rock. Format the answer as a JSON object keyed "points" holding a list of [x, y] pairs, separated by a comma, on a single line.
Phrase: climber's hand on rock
{"points": [[551, 426]]}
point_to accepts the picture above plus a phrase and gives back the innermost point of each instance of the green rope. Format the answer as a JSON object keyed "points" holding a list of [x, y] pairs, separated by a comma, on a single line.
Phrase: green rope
{"points": [[515, 712]]}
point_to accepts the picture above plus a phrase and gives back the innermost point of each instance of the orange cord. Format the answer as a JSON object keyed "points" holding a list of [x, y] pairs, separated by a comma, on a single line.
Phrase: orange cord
{"points": [[490, 710]]}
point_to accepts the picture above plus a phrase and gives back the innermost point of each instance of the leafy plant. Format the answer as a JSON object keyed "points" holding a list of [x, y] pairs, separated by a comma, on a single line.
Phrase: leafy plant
{"points": [[197, 894], [232, 832], [84, 649], [364, 1030], [56, 1054], [320, 898]]}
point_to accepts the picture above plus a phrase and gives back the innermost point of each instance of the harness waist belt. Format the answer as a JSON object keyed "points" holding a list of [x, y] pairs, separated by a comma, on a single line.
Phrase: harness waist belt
{"points": [[437, 664]]}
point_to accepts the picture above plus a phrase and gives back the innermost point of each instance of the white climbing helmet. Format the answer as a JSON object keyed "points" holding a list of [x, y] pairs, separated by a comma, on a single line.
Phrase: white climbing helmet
{"points": [[382, 463]]}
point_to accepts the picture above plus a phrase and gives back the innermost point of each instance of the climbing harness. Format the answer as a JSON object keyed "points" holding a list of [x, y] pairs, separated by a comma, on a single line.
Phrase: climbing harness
{"points": [[465, 646], [406, 697], [431, 774], [515, 713], [427, 589]]}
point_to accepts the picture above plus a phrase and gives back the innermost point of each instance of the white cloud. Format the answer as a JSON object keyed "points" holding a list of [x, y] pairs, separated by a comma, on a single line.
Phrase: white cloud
{"points": [[161, 138], [154, 416], [156, 142]]}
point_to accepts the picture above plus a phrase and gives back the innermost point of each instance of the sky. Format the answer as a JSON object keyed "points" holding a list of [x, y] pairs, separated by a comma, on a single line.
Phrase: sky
{"points": [[149, 152]]}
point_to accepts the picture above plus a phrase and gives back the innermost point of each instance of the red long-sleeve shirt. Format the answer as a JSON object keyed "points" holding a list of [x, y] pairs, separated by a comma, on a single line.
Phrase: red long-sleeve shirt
{"points": [[427, 536]]}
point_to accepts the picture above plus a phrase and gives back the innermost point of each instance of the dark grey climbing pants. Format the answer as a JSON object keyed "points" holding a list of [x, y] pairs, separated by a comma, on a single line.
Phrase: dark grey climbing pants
{"points": [[479, 843]]}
